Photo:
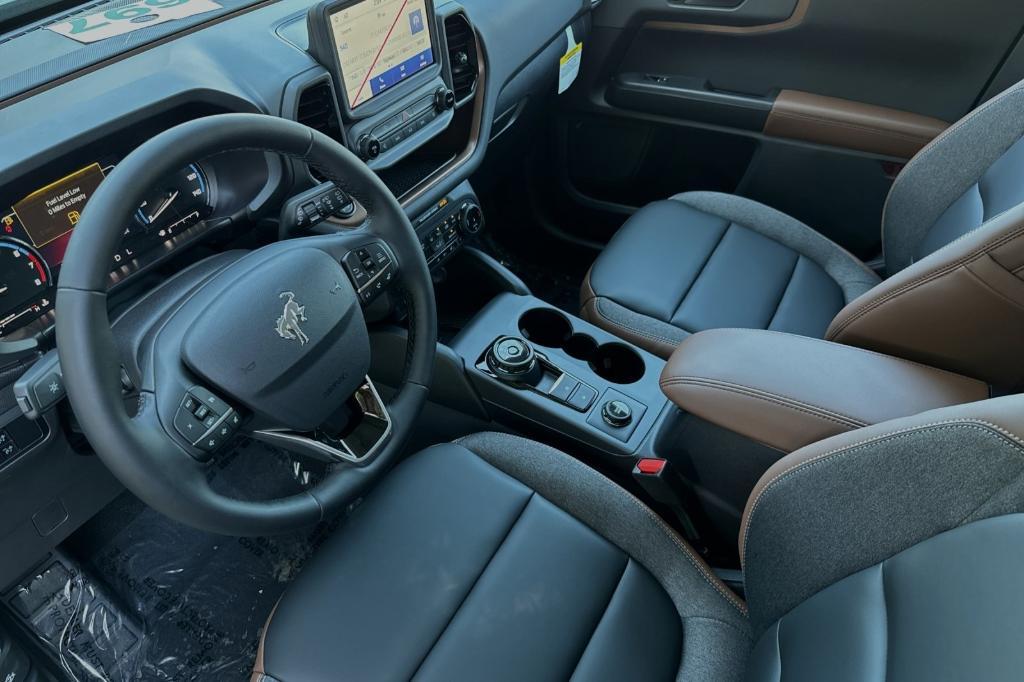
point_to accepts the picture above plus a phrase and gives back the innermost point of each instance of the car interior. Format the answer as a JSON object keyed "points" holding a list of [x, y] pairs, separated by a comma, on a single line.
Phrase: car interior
{"points": [[363, 340]]}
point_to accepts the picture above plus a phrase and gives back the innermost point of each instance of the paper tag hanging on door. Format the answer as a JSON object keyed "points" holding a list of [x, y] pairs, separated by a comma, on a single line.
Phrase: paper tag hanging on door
{"points": [[569, 64]]}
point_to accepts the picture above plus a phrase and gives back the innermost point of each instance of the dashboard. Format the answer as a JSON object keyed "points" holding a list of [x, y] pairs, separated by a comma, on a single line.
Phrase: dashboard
{"points": [[418, 88]]}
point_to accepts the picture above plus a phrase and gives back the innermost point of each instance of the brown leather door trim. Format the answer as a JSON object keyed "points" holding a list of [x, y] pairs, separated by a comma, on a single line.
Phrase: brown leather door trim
{"points": [[851, 125], [795, 19]]}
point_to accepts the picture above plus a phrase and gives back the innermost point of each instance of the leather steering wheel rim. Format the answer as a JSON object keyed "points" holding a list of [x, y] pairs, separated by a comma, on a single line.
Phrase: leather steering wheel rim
{"points": [[168, 478]]}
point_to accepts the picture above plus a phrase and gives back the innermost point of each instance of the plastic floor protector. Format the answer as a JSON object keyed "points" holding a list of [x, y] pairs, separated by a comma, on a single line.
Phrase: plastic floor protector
{"points": [[136, 596]]}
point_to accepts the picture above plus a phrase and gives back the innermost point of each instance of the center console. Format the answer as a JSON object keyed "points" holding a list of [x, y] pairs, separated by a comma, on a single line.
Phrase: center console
{"points": [[531, 362]]}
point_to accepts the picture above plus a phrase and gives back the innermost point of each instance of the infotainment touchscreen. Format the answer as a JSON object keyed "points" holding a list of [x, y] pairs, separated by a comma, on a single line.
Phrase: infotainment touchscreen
{"points": [[379, 44]]}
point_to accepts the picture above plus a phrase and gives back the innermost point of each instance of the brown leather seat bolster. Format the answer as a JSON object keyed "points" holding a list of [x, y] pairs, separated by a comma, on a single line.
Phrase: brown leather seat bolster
{"points": [[850, 125], [787, 391], [959, 308]]}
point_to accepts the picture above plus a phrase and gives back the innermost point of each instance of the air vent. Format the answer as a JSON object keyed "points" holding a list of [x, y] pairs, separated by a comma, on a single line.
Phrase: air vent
{"points": [[318, 110], [461, 56]]}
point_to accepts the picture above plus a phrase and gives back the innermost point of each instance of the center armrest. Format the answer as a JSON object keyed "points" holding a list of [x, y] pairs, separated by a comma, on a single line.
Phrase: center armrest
{"points": [[788, 391]]}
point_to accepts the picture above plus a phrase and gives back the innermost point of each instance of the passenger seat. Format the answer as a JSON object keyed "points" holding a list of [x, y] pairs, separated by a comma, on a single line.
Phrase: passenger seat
{"points": [[953, 240]]}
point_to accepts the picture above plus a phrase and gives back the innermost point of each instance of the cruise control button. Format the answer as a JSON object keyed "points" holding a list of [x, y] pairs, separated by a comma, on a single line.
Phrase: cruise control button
{"points": [[200, 411], [188, 426], [210, 400], [190, 404]]}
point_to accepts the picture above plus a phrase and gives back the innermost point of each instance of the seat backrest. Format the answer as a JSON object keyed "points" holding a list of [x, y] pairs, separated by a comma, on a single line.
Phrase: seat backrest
{"points": [[892, 552], [966, 176], [953, 233]]}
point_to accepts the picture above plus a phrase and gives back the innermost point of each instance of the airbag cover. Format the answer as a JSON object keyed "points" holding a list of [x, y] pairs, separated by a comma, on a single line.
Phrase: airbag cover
{"points": [[286, 338]]}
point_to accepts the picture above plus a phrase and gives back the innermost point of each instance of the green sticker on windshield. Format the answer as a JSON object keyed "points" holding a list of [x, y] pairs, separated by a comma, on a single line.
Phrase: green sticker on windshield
{"points": [[115, 21]]}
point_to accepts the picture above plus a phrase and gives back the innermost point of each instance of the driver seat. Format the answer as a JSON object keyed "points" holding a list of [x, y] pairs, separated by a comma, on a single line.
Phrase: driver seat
{"points": [[893, 552]]}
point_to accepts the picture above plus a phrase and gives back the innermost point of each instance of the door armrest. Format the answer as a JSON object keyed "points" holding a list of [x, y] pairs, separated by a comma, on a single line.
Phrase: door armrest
{"points": [[788, 391]]}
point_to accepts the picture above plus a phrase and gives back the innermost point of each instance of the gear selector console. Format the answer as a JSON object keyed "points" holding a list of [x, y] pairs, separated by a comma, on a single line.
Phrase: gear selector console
{"points": [[513, 360], [533, 362]]}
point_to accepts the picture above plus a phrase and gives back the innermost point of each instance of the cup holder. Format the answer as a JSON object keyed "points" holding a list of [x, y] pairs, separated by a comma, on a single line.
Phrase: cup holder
{"points": [[545, 327], [614, 362], [617, 363], [580, 346]]}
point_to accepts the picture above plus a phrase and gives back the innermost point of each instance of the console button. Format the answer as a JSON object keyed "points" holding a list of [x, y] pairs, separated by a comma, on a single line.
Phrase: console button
{"points": [[583, 398], [563, 388]]}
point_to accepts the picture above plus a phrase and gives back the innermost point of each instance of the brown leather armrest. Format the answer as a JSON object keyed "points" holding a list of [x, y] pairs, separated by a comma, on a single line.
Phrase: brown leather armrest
{"points": [[788, 391], [851, 125]]}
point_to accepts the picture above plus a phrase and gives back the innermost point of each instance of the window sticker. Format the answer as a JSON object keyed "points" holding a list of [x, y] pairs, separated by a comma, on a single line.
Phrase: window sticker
{"points": [[116, 21]]}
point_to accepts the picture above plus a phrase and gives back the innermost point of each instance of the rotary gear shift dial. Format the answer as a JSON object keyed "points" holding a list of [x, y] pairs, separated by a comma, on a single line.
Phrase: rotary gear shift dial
{"points": [[512, 359]]}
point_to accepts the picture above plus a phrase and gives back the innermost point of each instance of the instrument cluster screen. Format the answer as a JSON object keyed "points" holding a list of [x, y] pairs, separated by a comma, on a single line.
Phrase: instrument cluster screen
{"points": [[34, 236], [379, 44]]}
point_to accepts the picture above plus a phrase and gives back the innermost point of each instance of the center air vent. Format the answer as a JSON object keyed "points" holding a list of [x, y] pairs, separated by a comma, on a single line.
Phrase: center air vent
{"points": [[317, 109], [461, 56]]}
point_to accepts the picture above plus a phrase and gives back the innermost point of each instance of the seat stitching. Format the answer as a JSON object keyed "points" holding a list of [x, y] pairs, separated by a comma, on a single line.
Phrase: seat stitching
{"points": [[639, 332], [704, 265], [977, 424], [785, 290], [597, 625], [992, 290], [778, 399], [672, 535], [927, 277], [472, 587], [778, 644]]}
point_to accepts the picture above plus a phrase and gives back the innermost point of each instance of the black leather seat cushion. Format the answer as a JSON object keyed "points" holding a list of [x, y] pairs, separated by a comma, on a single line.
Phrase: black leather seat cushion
{"points": [[453, 569], [705, 261]]}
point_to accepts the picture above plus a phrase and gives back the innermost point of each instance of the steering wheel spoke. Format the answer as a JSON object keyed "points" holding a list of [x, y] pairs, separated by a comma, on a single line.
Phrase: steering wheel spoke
{"points": [[362, 429]]}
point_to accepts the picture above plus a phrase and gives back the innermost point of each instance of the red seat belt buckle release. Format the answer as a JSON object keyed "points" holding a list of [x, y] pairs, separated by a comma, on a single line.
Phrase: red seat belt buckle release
{"points": [[650, 466]]}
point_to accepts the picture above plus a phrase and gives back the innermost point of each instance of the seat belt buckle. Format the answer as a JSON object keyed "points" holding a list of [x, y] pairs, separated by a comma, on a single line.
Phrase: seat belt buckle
{"points": [[652, 473], [663, 485]]}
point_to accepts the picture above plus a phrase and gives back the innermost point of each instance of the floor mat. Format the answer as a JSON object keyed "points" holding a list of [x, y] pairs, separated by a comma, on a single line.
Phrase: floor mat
{"points": [[136, 596]]}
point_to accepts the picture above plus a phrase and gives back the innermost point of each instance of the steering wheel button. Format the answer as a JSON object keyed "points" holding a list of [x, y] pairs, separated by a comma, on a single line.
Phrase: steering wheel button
{"points": [[209, 399], [190, 404], [200, 411], [188, 426]]}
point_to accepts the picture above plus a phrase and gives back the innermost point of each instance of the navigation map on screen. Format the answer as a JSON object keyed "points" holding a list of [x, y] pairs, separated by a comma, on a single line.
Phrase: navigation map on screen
{"points": [[380, 43]]}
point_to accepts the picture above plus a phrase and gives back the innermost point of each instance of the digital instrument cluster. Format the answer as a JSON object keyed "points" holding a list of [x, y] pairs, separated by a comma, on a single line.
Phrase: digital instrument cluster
{"points": [[34, 235]]}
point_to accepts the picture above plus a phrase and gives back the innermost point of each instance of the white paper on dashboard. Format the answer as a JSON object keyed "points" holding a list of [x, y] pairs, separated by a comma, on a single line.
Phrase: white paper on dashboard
{"points": [[116, 21]]}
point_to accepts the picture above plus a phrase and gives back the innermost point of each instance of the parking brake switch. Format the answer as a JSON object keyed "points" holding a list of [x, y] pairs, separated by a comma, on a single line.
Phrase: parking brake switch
{"points": [[40, 387]]}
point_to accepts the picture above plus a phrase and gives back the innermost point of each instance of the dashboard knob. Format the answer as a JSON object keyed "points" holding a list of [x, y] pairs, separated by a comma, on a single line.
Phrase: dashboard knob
{"points": [[369, 147], [471, 218], [444, 99], [512, 359]]}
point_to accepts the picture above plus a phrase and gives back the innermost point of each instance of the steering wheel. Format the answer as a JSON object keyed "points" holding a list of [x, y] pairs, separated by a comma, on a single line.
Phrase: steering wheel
{"points": [[272, 344]]}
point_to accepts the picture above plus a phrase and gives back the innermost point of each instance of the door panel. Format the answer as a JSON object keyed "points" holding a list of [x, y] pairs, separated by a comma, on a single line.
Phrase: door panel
{"points": [[685, 94]]}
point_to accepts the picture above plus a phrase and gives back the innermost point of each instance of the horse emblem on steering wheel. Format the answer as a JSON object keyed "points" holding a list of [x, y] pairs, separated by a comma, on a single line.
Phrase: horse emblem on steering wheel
{"points": [[288, 324]]}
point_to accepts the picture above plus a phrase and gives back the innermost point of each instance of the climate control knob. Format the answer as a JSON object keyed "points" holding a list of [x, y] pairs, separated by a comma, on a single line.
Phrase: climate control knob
{"points": [[369, 147], [471, 218]]}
